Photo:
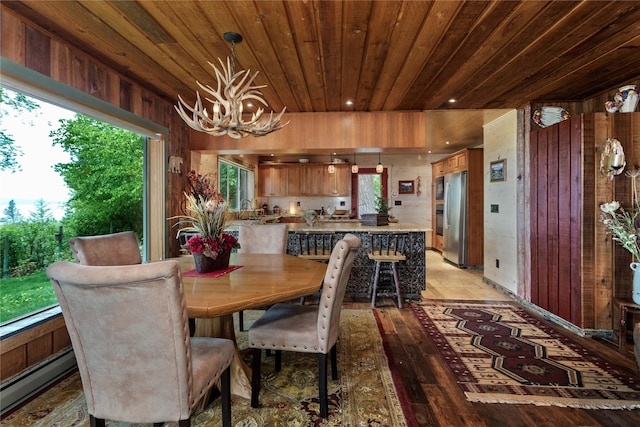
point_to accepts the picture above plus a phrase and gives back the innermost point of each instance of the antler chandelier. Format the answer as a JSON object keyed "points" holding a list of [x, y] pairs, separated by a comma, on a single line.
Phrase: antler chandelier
{"points": [[227, 103]]}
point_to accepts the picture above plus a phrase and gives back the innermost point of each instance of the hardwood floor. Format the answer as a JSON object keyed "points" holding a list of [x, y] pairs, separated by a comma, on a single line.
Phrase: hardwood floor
{"points": [[435, 397]]}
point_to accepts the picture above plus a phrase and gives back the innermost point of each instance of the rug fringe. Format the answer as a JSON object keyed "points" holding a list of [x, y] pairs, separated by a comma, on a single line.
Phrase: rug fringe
{"points": [[526, 400]]}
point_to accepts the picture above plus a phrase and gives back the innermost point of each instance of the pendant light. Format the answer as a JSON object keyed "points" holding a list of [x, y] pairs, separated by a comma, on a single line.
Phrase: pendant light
{"points": [[331, 168], [379, 167], [354, 166]]}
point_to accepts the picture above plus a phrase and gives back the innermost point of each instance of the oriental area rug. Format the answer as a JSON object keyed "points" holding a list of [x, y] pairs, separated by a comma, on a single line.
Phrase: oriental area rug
{"points": [[499, 353], [367, 392]]}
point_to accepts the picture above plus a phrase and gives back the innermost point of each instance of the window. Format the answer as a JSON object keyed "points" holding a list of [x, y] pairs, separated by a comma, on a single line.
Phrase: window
{"points": [[102, 163], [236, 184]]}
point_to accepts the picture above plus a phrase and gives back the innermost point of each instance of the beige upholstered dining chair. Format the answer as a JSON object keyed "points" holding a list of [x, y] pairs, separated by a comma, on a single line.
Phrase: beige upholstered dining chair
{"points": [[315, 246], [306, 328], [108, 249], [129, 331], [262, 239]]}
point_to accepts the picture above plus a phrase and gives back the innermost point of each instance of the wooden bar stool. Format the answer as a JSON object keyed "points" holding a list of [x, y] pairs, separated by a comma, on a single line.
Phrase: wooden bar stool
{"points": [[315, 246], [386, 248]]}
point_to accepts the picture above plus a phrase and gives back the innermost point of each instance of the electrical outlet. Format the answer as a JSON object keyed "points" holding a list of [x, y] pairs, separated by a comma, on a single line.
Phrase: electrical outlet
{"points": [[497, 263], [495, 208]]}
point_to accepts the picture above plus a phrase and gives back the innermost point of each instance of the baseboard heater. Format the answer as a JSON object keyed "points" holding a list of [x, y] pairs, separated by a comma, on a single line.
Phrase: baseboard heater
{"points": [[28, 384]]}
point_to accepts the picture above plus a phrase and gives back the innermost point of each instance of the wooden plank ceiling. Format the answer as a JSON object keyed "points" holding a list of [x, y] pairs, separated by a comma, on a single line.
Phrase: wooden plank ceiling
{"points": [[313, 56]]}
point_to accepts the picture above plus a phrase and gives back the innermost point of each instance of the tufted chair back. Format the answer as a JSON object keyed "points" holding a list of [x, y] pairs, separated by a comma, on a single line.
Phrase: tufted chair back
{"points": [[263, 238], [306, 328], [130, 335], [334, 287], [108, 249]]}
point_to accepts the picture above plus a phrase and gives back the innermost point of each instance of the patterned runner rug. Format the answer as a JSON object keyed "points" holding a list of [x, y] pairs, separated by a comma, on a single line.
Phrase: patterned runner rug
{"points": [[499, 353], [367, 392]]}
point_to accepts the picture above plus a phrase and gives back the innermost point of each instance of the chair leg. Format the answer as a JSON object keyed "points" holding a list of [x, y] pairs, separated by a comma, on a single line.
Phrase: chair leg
{"points": [[226, 397], [96, 422], [322, 385], [375, 285], [255, 378], [397, 282], [183, 423], [241, 320], [278, 360], [334, 362]]}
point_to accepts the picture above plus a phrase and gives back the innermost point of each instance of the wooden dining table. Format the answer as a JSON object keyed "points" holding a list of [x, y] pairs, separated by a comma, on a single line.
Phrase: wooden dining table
{"points": [[261, 280]]}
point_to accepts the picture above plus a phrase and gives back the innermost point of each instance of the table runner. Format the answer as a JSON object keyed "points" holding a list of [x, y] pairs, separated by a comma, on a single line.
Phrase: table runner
{"points": [[211, 274]]}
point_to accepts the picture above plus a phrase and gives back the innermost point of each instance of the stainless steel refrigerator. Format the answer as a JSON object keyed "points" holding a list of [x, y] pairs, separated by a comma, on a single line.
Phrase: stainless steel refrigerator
{"points": [[455, 219]]}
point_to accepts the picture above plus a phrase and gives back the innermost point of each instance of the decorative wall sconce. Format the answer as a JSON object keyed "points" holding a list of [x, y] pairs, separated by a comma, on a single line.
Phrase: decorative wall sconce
{"points": [[612, 160], [175, 163]]}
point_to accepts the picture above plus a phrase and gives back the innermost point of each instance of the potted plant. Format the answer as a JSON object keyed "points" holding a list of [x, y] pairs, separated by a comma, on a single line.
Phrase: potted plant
{"points": [[206, 215], [381, 217]]}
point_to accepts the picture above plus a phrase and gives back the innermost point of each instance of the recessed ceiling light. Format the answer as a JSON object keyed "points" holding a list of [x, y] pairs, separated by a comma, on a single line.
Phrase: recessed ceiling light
{"points": [[447, 142], [349, 102], [452, 100]]}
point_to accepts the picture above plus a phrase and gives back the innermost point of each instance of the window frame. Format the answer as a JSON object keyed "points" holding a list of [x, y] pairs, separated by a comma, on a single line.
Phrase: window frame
{"points": [[45, 89], [245, 190]]}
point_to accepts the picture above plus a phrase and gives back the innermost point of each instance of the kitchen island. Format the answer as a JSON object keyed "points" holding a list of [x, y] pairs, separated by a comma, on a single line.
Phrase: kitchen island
{"points": [[412, 272]]}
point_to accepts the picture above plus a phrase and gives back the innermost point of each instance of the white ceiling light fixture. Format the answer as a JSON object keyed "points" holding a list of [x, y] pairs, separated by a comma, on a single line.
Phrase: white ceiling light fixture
{"points": [[379, 167], [354, 166], [227, 100]]}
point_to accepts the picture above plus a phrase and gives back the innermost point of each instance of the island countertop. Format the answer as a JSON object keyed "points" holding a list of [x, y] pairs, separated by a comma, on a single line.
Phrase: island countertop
{"points": [[412, 271], [346, 226]]}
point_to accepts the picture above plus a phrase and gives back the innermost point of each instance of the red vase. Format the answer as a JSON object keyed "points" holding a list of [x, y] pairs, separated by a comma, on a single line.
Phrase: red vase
{"points": [[204, 264]]}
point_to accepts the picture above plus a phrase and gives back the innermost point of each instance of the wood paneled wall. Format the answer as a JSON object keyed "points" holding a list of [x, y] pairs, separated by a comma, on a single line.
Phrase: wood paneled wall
{"points": [[576, 268], [326, 131], [36, 49], [556, 221]]}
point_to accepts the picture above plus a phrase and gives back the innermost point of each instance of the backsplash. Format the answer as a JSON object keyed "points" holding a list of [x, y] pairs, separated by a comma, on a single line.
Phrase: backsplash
{"points": [[286, 203]]}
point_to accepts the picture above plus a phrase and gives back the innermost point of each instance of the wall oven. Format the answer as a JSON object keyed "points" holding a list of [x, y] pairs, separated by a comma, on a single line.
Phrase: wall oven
{"points": [[439, 190], [439, 218]]}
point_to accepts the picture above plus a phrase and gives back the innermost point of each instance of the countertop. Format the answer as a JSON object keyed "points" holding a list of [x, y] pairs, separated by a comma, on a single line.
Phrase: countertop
{"points": [[344, 226]]}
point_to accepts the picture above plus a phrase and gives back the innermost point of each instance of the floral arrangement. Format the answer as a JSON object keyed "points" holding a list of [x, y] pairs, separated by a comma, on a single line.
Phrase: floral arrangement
{"points": [[200, 185], [624, 225], [210, 246], [206, 214]]}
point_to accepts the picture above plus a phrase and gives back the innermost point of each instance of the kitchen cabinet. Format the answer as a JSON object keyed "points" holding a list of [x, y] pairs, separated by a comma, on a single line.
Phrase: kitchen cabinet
{"points": [[338, 183], [295, 174], [304, 180], [439, 168], [457, 162], [314, 176], [272, 180]]}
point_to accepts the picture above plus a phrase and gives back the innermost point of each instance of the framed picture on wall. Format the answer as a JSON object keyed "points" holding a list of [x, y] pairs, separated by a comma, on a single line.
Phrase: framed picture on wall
{"points": [[498, 170], [405, 187]]}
